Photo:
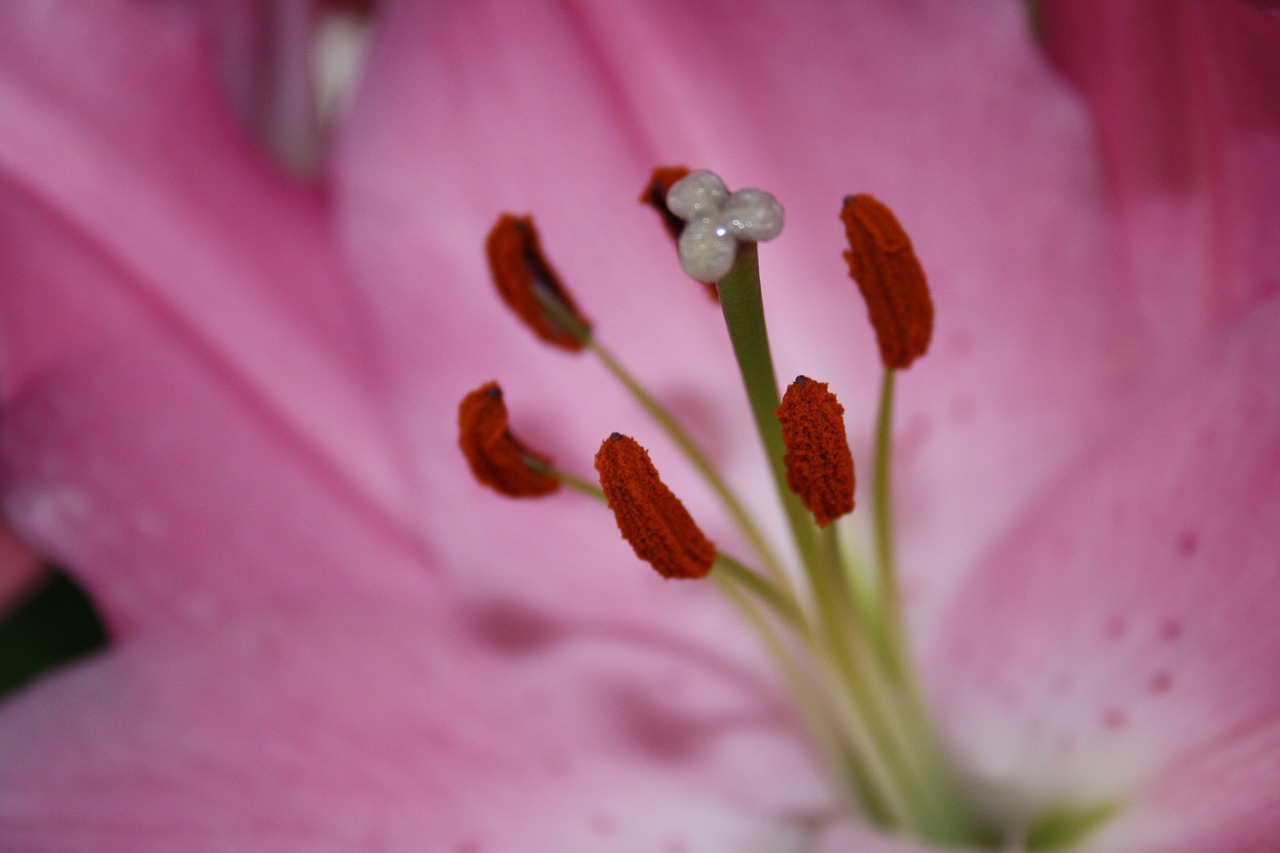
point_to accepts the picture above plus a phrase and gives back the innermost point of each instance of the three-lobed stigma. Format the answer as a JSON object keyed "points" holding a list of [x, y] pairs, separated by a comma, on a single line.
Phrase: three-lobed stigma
{"points": [[716, 221]]}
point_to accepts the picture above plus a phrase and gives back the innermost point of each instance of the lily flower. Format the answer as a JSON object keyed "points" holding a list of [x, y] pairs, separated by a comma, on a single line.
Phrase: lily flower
{"points": [[230, 407]]}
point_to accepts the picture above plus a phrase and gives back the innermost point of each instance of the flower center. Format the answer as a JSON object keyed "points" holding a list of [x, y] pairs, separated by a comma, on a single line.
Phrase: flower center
{"points": [[833, 624]]}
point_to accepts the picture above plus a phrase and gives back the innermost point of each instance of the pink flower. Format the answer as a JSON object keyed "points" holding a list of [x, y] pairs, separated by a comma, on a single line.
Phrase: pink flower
{"points": [[229, 406]]}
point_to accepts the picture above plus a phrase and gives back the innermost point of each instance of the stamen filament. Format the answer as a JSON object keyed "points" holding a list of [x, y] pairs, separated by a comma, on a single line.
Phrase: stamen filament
{"points": [[564, 318], [835, 730], [585, 487], [685, 442], [742, 518], [762, 588], [892, 632], [935, 781], [853, 611]]}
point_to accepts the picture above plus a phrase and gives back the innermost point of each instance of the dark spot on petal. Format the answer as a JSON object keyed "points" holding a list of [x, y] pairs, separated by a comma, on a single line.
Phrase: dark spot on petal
{"points": [[1116, 628], [1188, 543], [1160, 682], [913, 438], [1170, 630], [513, 628], [656, 728], [1115, 719]]}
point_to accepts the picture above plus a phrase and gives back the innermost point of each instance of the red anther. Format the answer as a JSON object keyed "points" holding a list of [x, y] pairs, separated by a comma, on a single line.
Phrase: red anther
{"points": [[497, 458], [819, 463], [650, 517], [655, 195], [885, 267], [531, 287]]}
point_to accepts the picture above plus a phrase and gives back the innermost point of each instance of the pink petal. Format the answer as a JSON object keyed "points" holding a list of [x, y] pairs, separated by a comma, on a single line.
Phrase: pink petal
{"points": [[192, 402], [471, 109], [1127, 625], [170, 484], [366, 728], [1220, 799], [848, 837], [1186, 97]]}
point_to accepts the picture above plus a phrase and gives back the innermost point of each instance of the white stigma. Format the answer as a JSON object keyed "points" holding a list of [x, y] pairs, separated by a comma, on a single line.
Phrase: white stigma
{"points": [[718, 220]]}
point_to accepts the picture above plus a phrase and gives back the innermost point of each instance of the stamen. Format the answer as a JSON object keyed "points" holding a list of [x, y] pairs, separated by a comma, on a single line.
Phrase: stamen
{"points": [[497, 458], [531, 287], [718, 221], [655, 195], [650, 517], [885, 267], [819, 463]]}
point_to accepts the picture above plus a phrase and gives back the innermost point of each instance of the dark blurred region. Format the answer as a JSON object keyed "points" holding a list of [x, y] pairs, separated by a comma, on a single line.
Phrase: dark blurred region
{"points": [[53, 624]]}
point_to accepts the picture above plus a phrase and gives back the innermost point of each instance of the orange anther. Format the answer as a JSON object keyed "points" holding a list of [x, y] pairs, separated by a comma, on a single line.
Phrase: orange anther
{"points": [[531, 287], [885, 267], [497, 458], [650, 517], [819, 463]]}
